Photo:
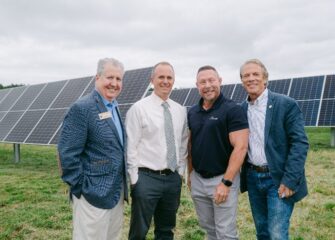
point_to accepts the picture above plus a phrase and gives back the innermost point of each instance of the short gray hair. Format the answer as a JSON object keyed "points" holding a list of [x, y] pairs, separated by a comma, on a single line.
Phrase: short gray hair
{"points": [[259, 63], [102, 62], [160, 63]]}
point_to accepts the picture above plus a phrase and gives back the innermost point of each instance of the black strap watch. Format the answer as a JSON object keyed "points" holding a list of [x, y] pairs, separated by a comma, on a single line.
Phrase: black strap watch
{"points": [[226, 182]]}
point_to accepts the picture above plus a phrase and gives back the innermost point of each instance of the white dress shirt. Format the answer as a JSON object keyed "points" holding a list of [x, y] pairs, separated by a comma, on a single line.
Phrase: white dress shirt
{"points": [[256, 120], [146, 145]]}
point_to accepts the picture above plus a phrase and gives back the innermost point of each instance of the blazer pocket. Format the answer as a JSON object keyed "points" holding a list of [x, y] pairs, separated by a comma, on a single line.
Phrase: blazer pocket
{"points": [[98, 169]]}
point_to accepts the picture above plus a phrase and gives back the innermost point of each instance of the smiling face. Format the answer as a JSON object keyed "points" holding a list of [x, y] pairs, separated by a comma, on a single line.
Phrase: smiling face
{"points": [[109, 82], [208, 84], [253, 79], [163, 80]]}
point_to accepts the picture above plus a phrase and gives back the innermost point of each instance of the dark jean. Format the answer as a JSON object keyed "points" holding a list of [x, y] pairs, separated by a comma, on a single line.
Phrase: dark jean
{"points": [[271, 214], [156, 196]]}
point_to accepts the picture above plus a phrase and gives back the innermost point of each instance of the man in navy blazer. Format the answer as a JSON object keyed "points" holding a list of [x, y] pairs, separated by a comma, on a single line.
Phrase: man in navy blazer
{"points": [[92, 156], [274, 173]]}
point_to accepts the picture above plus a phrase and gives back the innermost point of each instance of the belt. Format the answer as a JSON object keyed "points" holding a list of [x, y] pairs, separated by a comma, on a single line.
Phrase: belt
{"points": [[158, 172], [260, 169], [208, 174]]}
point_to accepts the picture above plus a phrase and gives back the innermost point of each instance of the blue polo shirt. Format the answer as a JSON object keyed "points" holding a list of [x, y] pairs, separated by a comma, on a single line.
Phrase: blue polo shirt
{"points": [[210, 130]]}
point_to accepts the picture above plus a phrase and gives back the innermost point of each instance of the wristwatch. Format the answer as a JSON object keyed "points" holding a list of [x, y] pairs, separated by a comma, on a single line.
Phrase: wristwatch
{"points": [[226, 182]]}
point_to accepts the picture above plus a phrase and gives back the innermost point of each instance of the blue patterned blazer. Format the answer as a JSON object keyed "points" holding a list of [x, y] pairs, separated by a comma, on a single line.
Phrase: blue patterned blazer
{"points": [[286, 145], [91, 154]]}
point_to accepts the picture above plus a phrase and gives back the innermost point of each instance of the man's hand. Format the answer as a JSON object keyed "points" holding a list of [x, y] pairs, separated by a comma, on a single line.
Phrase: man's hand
{"points": [[284, 192], [221, 193]]}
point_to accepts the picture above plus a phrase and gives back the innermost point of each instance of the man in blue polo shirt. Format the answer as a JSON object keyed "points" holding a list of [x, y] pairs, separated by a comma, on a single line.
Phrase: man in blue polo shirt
{"points": [[218, 145]]}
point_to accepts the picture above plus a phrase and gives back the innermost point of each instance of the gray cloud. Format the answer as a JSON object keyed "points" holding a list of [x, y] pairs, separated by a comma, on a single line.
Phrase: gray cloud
{"points": [[43, 41]]}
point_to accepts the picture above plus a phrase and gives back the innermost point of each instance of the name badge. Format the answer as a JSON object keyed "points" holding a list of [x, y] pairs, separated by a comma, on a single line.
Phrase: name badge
{"points": [[105, 115]]}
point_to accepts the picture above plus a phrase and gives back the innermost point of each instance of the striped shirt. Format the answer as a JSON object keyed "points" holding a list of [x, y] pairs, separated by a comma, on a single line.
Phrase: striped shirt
{"points": [[256, 119]]}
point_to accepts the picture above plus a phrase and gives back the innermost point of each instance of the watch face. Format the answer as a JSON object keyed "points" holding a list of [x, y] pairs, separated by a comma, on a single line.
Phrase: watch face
{"points": [[226, 182]]}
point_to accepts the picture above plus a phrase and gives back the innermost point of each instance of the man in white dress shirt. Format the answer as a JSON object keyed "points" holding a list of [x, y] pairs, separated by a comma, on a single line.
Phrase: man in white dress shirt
{"points": [[156, 156]]}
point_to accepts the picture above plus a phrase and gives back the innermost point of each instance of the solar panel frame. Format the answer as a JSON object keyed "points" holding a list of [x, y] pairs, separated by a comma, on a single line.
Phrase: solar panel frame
{"points": [[12, 98], [47, 95], [28, 97], [47, 126], [23, 127], [8, 122], [327, 113], [329, 90], [4, 93], [193, 97], [307, 88], [73, 89], [180, 95], [239, 94], [281, 86], [227, 90], [307, 107]]}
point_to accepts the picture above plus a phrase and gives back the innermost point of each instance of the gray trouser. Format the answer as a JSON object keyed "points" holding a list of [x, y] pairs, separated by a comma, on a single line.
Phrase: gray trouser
{"points": [[219, 221]]}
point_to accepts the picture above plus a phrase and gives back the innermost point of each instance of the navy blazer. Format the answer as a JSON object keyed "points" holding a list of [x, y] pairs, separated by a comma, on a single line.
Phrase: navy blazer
{"points": [[286, 145], [91, 154]]}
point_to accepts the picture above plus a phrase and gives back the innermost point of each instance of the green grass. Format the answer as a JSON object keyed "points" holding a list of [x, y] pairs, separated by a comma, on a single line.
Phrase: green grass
{"points": [[34, 201]]}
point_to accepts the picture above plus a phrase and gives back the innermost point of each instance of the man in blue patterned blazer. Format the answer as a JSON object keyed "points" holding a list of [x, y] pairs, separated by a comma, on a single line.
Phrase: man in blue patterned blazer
{"points": [[92, 157], [274, 173]]}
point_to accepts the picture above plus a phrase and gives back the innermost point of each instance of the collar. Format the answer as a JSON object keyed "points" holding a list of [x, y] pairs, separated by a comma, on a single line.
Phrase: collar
{"points": [[157, 100], [215, 104], [263, 97], [112, 104]]}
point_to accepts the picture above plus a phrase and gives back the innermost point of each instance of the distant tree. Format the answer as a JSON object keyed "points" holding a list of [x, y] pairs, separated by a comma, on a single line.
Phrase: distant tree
{"points": [[11, 86]]}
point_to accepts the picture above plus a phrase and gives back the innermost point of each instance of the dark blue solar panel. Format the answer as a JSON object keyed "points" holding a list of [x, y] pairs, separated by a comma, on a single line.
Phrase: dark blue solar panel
{"points": [[310, 111], [327, 113], [11, 98], [71, 92], [193, 97], [179, 95], [306, 88], [135, 83], [24, 126], [239, 94], [227, 90], [279, 86], [28, 97], [47, 126], [123, 110], [2, 114], [47, 95], [3, 93], [90, 87], [7, 122], [55, 137], [329, 91]]}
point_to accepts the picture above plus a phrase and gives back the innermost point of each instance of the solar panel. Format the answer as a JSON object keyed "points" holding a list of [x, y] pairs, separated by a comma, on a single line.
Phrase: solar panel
{"points": [[227, 90], [28, 97], [135, 83], [329, 91], [24, 126], [280, 86], [179, 95], [193, 98], [47, 95], [33, 114], [71, 92], [239, 94], [7, 122], [306, 88], [123, 110], [11, 98], [2, 114], [327, 113], [47, 126], [310, 111], [3, 93], [90, 87]]}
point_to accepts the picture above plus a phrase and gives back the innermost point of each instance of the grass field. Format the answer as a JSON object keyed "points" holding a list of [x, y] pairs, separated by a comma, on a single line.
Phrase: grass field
{"points": [[34, 201]]}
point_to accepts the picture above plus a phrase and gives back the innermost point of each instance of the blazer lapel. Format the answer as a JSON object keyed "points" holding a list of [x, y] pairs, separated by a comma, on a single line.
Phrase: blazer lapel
{"points": [[268, 117], [102, 108]]}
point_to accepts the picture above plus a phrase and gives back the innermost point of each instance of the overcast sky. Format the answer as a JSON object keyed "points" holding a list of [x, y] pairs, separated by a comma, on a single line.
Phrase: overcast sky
{"points": [[49, 40]]}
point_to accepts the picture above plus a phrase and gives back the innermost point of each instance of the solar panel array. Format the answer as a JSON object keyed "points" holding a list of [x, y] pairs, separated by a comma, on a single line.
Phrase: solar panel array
{"points": [[33, 114]]}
